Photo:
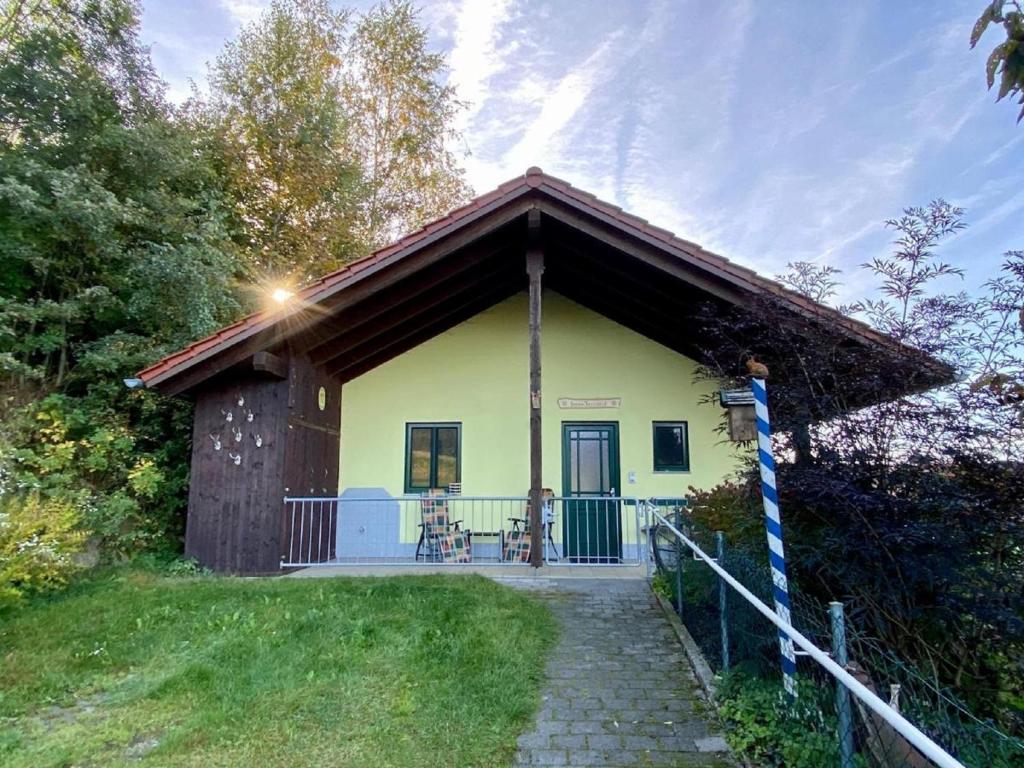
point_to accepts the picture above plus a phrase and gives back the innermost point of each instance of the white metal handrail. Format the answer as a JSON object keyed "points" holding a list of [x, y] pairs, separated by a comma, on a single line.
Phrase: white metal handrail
{"points": [[908, 730]]}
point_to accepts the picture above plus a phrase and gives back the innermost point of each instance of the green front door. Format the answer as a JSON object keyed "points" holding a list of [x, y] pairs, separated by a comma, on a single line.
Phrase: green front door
{"points": [[591, 521]]}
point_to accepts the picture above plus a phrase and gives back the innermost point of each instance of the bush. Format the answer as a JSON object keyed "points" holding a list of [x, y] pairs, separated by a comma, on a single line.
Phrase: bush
{"points": [[94, 454], [767, 727], [898, 498], [929, 564], [39, 539], [732, 507], [662, 585]]}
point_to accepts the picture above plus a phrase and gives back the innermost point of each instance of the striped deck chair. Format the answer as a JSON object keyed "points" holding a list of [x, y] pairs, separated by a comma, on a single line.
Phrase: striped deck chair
{"points": [[517, 542], [517, 546], [455, 547], [436, 526]]}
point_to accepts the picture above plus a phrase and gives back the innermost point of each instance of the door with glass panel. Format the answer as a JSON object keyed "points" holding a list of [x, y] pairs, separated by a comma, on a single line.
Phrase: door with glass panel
{"points": [[591, 519]]}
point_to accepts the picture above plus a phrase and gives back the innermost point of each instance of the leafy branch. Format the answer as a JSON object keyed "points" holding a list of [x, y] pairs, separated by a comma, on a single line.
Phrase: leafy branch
{"points": [[1007, 58]]}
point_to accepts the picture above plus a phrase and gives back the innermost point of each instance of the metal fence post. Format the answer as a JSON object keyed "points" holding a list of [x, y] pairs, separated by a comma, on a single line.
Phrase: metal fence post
{"points": [[679, 565], [842, 694], [645, 540], [723, 600]]}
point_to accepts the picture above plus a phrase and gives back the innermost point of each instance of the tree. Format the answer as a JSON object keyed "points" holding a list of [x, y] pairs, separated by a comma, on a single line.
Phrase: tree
{"points": [[906, 507], [399, 125], [97, 183], [126, 225], [817, 282], [276, 108], [335, 133], [115, 248], [1007, 58]]}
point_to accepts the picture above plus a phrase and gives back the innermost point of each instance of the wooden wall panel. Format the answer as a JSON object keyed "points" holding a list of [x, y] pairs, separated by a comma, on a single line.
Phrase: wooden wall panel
{"points": [[235, 492], [279, 442], [311, 463]]}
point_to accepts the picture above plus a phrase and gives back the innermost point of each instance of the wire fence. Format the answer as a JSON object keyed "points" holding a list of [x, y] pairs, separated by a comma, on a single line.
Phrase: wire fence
{"points": [[823, 726]]}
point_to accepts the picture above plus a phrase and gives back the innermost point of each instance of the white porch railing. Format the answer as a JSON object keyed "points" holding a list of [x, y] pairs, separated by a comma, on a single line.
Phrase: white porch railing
{"points": [[376, 528]]}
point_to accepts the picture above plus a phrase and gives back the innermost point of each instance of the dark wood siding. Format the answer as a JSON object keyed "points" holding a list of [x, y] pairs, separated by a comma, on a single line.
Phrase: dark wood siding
{"points": [[277, 443], [311, 460]]}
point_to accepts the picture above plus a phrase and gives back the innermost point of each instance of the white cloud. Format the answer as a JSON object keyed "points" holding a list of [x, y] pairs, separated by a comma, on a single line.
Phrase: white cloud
{"points": [[769, 135], [244, 11], [545, 138], [524, 100], [1002, 150], [1009, 207], [685, 133], [766, 160], [476, 55]]}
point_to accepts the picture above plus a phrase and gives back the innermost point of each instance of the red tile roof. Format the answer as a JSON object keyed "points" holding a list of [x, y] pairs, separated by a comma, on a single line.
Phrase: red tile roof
{"points": [[533, 179], [318, 289]]}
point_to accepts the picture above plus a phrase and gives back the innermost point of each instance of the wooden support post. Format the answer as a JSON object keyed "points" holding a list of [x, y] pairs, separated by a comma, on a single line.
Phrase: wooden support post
{"points": [[534, 269]]}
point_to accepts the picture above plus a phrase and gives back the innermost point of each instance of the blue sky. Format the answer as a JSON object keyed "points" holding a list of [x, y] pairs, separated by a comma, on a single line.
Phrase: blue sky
{"points": [[768, 132]]}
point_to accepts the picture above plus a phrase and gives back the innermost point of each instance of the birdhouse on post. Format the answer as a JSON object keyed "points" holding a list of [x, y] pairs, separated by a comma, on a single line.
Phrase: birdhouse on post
{"points": [[739, 403]]}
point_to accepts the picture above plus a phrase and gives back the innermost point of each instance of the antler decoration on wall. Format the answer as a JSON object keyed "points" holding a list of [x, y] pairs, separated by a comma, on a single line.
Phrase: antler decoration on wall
{"points": [[237, 432]]}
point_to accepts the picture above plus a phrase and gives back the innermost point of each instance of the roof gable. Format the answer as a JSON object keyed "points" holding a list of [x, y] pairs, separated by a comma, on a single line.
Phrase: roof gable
{"points": [[616, 263]]}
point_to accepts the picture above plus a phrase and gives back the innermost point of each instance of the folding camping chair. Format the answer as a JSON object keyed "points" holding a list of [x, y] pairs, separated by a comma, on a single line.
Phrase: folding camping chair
{"points": [[441, 539], [517, 542]]}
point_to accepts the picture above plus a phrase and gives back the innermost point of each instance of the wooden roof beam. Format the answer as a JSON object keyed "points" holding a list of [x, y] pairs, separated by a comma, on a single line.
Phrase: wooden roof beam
{"points": [[592, 263], [412, 288], [353, 289], [609, 231], [623, 308], [425, 306], [573, 281], [266, 362], [403, 339], [615, 312]]}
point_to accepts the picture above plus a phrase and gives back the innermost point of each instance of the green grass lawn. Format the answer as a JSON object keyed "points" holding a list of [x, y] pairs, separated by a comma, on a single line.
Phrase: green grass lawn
{"points": [[135, 668]]}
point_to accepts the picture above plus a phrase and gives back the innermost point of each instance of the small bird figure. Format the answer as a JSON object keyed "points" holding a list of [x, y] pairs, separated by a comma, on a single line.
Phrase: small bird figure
{"points": [[756, 369]]}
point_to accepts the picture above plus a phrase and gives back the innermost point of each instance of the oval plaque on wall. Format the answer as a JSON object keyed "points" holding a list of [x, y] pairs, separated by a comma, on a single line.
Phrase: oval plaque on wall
{"points": [[321, 398]]}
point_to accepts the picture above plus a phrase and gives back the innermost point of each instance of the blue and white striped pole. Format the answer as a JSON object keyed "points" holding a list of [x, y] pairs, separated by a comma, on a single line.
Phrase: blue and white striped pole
{"points": [[773, 527]]}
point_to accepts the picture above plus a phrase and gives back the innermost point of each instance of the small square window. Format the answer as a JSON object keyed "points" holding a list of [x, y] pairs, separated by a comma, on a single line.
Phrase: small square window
{"points": [[433, 456], [671, 447]]}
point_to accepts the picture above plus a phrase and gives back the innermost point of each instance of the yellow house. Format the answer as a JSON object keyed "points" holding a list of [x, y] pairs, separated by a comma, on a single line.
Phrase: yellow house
{"points": [[450, 411], [475, 377], [508, 384]]}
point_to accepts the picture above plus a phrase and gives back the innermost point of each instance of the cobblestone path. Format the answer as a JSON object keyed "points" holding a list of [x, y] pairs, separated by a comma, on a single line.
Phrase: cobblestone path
{"points": [[620, 691]]}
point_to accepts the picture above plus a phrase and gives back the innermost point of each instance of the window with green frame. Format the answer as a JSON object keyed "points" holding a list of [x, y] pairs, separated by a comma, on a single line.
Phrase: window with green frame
{"points": [[433, 456], [671, 446]]}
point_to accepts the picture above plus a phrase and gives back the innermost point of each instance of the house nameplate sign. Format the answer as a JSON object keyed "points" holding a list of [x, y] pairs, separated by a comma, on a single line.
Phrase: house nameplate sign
{"points": [[589, 402]]}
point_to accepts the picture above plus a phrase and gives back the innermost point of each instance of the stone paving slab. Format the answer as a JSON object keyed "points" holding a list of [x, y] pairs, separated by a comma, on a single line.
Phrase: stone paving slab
{"points": [[619, 690]]}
